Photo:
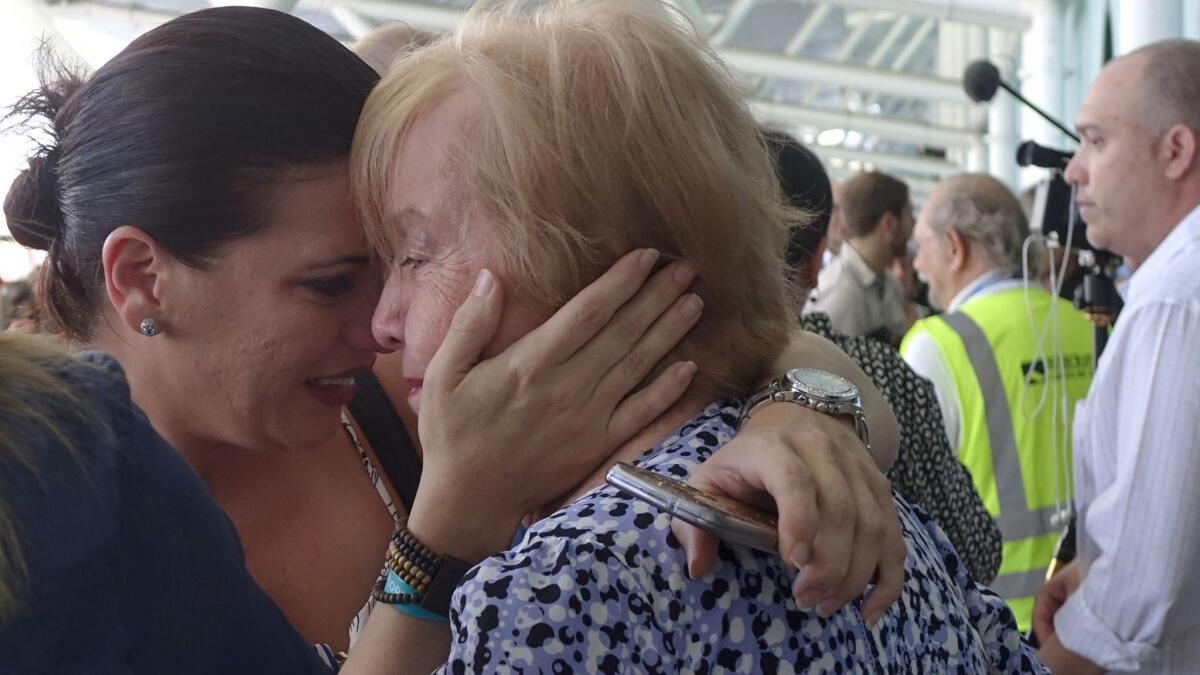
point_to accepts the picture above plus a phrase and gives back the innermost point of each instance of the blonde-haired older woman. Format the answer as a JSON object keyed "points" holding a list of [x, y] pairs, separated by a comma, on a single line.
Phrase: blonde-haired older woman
{"points": [[534, 149]]}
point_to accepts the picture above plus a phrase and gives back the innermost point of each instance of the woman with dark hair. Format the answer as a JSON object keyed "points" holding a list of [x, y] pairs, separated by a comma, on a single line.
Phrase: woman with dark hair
{"points": [[195, 206], [926, 472]]}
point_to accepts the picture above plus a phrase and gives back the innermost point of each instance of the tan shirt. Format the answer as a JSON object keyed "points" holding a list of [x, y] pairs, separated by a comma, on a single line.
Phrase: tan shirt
{"points": [[859, 301]]}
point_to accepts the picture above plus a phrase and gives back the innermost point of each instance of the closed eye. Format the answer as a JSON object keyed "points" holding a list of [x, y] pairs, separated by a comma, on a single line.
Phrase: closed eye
{"points": [[332, 286]]}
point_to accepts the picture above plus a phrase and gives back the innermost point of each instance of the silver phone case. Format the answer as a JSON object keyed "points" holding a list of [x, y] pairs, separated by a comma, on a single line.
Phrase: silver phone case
{"points": [[708, 512]]}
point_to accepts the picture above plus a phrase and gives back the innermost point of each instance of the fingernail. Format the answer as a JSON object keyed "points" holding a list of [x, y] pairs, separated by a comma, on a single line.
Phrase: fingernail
{"points": [[688, 569], [647, 259], [684, 274], [483, 284], [871, 617], [799, 557], [687, 369], [692, 306], [809, 599], [826, 609]]}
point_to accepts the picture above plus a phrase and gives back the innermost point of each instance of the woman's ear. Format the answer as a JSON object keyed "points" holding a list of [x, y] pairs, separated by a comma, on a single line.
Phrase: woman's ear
{"points": [[134, 263]]}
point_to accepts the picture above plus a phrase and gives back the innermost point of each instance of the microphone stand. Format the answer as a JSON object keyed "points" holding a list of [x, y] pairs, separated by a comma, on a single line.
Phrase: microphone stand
{"points": [[1044, 115]]}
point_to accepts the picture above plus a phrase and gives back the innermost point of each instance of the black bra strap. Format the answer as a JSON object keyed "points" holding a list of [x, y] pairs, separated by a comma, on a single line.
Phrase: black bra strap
{"points": [[379, 422]]}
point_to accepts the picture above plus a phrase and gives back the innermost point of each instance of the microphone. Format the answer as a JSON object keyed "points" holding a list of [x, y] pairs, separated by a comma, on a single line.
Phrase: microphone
{"points": [[982, 78], [1032, 154]]}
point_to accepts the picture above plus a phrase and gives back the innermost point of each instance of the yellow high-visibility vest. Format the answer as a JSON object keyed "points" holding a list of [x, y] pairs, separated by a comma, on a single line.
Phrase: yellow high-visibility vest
{"points": [[991, 349]]}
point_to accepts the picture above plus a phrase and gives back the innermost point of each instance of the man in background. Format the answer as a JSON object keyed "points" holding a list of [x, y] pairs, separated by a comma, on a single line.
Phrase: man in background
{"points": [[854, 289], [1131, 600], [1008, 362]]}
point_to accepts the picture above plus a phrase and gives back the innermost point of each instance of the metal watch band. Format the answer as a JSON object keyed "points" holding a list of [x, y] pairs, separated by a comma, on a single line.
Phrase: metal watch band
{"points": [[780, 391]]}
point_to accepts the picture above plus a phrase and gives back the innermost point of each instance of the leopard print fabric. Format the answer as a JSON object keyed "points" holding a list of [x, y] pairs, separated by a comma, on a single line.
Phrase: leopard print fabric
{"points": [[600, 587], [926, 472]]}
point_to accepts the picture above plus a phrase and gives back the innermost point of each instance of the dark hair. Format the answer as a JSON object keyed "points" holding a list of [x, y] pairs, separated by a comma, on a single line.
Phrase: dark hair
{"points": [[806, 186], [867, 197], [181, 135]]}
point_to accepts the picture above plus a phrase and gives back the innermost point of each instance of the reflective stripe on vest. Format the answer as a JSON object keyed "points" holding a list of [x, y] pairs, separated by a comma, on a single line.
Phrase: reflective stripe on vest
{"points": [[1016, 521]]}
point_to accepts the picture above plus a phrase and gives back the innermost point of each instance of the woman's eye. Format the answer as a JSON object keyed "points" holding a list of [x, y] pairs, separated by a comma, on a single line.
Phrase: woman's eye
{"points": [[411, 263], [331, 287]]}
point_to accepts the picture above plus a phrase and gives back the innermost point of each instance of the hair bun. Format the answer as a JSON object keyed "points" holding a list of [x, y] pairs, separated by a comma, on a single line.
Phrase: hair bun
{"points": [[32, 206]]}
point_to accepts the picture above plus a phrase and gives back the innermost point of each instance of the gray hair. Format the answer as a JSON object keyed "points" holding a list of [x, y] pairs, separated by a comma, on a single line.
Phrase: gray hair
{"points": [[984, 211], [1171, 83]]}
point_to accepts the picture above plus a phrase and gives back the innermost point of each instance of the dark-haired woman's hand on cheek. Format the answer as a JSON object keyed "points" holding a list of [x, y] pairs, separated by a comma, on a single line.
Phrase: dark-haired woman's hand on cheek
{"points": [[506, 435]]}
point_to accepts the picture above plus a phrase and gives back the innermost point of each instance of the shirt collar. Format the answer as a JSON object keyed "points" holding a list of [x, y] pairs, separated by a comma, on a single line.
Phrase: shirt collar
{"points": [[857, 266], [1187, 230], [978, 286]]}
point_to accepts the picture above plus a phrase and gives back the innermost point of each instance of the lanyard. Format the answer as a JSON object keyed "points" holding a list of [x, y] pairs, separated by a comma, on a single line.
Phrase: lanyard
{"points": [[988, 283]]}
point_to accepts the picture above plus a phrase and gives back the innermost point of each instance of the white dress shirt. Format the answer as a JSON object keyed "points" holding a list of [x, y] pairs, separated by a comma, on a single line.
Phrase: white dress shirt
{"points": [[924, 356], [860, 302], [1137, 476]]}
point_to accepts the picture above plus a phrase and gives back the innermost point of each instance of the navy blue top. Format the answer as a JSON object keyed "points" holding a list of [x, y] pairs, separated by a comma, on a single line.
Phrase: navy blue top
{"points": [[132, 567]]}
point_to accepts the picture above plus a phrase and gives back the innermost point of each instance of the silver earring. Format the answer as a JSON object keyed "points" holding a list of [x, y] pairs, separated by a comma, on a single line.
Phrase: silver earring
{"points": [[149, 327]]}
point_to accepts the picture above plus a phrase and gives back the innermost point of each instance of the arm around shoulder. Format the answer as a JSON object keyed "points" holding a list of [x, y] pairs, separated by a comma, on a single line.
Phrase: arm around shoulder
{"points": [[807, 350]]}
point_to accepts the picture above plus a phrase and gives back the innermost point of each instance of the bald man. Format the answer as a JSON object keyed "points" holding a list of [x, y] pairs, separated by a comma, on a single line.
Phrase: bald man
{"points": [[1131, 601], [1002, 392]]}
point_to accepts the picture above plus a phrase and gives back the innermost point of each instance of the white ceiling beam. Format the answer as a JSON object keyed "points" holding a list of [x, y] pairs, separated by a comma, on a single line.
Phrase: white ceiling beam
{"points": [[848, 45], [918, 186], [814, 20], [889, 128], [279, 5], [354, 23], [97, 31], [991, 13], [914, 44], [885, 45], [924, 166], [692, 10], [844, 74], [734, 18], [415, 14]]}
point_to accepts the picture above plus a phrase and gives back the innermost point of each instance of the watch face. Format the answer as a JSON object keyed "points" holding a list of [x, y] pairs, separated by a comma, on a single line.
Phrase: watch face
{"points": [[823, 384]]}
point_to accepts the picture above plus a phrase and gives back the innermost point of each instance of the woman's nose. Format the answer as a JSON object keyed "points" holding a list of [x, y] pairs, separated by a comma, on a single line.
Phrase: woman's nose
{"points": [[387, 324]]}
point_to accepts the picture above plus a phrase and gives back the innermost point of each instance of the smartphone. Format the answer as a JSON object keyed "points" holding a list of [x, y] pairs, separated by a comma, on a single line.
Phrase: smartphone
{"points": [[727, 519]]}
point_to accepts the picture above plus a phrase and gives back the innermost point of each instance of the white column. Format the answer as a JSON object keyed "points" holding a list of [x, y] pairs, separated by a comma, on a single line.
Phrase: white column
{"points": [[1002, 113], [951, 60], [1191, 19], [1042, 75], [1137, 23]]}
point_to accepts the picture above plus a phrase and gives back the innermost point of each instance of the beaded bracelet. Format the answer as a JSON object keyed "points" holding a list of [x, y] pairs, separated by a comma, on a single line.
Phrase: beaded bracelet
{"points": [[415, 580], [411, 573]]}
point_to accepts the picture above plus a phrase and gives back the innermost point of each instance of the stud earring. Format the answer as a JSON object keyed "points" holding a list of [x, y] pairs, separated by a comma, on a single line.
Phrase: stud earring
{"points": [[149, 327]]}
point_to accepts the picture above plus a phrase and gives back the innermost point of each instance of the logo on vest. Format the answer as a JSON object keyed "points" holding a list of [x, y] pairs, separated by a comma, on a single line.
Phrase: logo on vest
{"points": [[1074, 366]]}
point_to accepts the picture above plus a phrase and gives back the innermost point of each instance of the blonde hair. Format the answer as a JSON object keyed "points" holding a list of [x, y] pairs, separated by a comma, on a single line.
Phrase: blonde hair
{"points": [[35, 403], [383, 45], [602, 127]]}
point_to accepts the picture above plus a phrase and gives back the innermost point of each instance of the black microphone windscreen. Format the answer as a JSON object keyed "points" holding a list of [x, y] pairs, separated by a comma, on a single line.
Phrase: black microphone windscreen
{"points": [[980, 81]]}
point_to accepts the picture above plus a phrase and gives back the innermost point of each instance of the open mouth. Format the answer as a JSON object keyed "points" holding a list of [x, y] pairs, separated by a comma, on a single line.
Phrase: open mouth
{"points": [[336, 391]]}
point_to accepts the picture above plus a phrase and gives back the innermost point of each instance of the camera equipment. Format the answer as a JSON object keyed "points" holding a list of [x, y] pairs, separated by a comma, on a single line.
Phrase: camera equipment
{"points": [[1057, 217], [1032, 154]]}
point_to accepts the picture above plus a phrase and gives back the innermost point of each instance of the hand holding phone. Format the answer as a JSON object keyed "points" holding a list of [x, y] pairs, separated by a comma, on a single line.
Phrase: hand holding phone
{"points": [[730, 520]]}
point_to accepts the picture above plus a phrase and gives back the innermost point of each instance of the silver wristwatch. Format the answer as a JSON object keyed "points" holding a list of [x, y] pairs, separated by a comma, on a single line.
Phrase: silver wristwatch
{"points": [[817, 389]]}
